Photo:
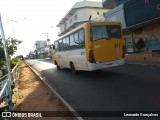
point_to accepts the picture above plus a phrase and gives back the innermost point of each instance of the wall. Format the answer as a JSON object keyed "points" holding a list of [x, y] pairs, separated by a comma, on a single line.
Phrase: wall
{"points": [[152, 33], [139, 19], [88, 12], [128, 38], [144, 38], [139, 39], [81, 15], [150, 36]]}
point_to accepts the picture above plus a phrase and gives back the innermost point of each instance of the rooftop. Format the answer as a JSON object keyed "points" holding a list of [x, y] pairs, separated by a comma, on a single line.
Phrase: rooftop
{"points": [[78, 5]]}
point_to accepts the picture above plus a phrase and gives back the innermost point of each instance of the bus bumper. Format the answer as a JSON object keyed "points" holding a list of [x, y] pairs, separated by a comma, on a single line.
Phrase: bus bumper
{"points": [[98, 65]]}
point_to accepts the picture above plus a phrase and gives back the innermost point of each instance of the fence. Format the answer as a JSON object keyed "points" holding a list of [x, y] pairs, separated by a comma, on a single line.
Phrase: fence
{"points": [[6, 91]]}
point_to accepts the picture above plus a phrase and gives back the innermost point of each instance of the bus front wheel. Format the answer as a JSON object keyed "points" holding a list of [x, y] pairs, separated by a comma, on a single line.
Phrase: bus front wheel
{"points": [[58, 67], [73, 68]]}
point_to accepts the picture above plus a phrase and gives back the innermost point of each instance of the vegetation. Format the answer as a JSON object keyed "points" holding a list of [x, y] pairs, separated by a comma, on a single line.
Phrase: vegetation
{"points": [[11, 45]]}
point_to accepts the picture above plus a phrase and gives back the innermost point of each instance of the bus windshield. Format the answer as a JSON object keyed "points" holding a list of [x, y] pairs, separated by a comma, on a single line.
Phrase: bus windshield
{"points": [[105, 32]]}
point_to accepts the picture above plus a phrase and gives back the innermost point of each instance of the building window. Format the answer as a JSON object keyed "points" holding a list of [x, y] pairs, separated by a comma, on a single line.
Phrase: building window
{"points": [[70, 21], [62, 28], [75, 17]]}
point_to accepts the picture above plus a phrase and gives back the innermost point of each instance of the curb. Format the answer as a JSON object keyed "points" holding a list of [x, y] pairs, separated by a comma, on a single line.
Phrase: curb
{"points": [[57, 94], [142, 64]]}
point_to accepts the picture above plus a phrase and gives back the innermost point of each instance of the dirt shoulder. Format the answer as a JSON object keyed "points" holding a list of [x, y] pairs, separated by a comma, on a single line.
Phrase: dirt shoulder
{"points": [[31, 94]]}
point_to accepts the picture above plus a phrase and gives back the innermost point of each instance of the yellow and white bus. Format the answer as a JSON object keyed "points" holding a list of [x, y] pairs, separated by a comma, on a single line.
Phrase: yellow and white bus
{"points": [[91, 46]]}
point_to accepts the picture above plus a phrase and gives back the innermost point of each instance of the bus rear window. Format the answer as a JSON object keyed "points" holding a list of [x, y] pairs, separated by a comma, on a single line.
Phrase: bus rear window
{"points": [[105, 32]]}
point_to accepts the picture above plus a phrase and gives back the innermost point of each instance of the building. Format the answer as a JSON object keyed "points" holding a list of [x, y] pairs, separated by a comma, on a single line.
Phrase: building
{"points": [[140, 22], [111, 4], [117, 14], [41, 49], [79, 14], [40, 44], [143, 24]]}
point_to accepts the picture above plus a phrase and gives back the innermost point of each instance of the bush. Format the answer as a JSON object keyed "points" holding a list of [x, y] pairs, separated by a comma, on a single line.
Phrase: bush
{"points": [[13, 62], [3, 66]]}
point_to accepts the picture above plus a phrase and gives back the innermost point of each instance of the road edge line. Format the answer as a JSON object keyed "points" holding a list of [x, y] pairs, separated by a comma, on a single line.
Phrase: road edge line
{"points": [[57, 94]]}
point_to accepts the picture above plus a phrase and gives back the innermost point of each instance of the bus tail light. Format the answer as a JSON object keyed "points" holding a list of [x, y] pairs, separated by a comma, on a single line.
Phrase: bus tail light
{"points": [[124, 50], [91, 57]]}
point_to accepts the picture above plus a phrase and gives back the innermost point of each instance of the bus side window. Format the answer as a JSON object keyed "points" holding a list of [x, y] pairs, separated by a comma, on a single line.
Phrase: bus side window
{"points": [[76, 40], [60, 45], [72, 42], [81, 37], [66, 43], [56, 46]]}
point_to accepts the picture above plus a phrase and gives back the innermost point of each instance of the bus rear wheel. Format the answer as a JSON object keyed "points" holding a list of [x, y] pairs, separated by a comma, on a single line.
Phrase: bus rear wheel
{"points": [[73, 68]]}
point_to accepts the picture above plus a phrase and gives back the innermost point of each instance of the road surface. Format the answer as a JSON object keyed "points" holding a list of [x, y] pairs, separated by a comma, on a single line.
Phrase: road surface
{"points": [[123, 88]]}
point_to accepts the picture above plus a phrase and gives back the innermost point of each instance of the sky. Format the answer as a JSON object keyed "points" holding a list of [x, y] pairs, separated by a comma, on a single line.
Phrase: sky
{"points": [[30, 20]]}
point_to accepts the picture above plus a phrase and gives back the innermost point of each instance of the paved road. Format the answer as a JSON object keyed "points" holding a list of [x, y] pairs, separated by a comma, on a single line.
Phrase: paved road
{"points": [[123, 88]]}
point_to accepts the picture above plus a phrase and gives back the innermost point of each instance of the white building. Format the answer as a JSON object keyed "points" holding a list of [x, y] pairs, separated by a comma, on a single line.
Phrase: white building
{"points": [[79, 14], [40, 45]]}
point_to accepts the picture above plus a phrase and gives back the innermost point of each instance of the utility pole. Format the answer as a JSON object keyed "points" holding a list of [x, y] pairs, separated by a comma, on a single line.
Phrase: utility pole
{"points": [[12, 23], [48, 40]]}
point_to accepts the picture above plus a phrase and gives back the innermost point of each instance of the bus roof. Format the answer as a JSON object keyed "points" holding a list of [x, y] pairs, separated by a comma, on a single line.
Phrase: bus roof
{"points": [[95, 23]]}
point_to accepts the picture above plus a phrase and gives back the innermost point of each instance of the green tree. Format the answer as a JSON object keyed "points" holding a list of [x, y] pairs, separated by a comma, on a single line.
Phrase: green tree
{"points": [[12, 45]]}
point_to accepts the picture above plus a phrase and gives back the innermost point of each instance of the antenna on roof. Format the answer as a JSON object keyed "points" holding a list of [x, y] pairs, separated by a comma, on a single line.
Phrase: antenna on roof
{"points": [[90, 18]]}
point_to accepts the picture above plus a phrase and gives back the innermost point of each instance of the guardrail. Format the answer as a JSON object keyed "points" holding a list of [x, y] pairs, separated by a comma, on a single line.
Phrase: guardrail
{"points": [[14, 74], [6, 91]]}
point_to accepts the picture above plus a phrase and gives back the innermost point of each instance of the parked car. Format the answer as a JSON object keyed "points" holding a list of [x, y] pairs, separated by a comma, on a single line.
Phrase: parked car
{"points": [[31, 56]]}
